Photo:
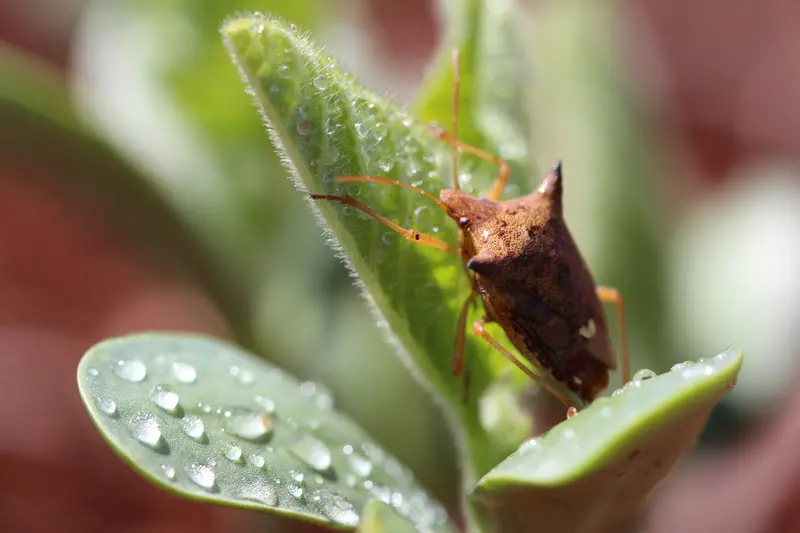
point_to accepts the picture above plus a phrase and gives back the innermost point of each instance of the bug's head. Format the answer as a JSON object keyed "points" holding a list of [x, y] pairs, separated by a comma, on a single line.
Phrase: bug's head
{"points": [[501, 236]]}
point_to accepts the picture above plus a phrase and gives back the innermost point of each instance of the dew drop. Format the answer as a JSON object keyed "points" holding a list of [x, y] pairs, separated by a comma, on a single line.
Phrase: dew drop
{"points": [[424, 218], [382, 493], [643, 374], [168, 472], [193, 427], [386, 164], [397, 500], [131, 370], [107, 405], [360, 464], [322, 82], [244, 376], [295, 490], [313, 452], [336, 507], [256, 460], [93, 372], [166, 398], [682, 366], [350, 480], [297, 476], [184, 372], [232, 452], [617, 392], [202, 474], [247, 424], [329, 156], [361, 129], [144, 428]]}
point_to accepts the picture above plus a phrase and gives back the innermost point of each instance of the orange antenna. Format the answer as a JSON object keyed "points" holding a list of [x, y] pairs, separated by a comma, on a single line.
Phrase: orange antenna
{"points": [[350, 179]]}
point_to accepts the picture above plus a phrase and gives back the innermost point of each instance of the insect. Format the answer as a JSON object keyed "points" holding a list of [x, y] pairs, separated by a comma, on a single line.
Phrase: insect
{"points": [[524, 265]]}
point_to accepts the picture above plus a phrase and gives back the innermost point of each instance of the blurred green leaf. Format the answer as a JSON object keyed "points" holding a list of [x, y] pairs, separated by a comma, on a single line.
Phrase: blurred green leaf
{"points": [[591, 473], [380, 517], [205, 420], [328, 126]]}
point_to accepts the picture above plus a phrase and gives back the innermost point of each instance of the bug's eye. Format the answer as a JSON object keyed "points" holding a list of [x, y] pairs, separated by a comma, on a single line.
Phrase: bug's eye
{"points": [[463, 221]]}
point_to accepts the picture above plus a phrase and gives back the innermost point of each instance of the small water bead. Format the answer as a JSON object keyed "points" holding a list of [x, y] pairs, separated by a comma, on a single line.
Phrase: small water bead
{"points": [[93, 372], [244, 376], [166, 398], [382, 493], [617, 392], [184, 372], [256, 460], [168, 471], [266, 403], [131, 370], [107, 405], [360, 464], [336, 507], [643, 374], [319, 480], [295, 490], [248, 424], [202, 474], [397, 500], [297, 476], [681, 366], [322, 82], [386, 164], [232, 452], [425, 218], [144, 428], [204, 407], [193, 427], [313, 452]]}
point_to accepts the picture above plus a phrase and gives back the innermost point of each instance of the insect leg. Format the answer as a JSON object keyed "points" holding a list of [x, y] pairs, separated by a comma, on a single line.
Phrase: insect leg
{"points": [[478, 328], [500, 182], [410, 234], [613, 296]]}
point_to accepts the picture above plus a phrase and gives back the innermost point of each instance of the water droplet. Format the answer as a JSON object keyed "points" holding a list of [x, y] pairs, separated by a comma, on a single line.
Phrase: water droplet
{"points": [[247, 424], [361, 129], [297, 476], [93, 372], [106, 405], [166, 398], [313, 452], [397, 500], [144, 428], [618, 392], [193, 427], [682, 366], [347, 449], [184, 372], [322, 82], [244, 376], [568, 434], [329, 156], [360, 464], [336, 507], [350, 480], [295, 490], [131, 370], [644, 374], [232, 452], [202, 474], [386, 164], [256, 460], [424, 218], [318, 479], [382, 493], [168, 472]]}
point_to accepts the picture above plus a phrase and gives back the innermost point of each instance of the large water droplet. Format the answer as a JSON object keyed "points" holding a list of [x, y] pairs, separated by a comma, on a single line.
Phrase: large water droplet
{"points": [[131, 370], [313, 452], [107, 405], [256, 488], [247, 424], [144, 428], [336, 507], [643, 374], [360, 464], [202, 474], [184, 372], [193, 427], [168, 471], [166, 398], [233, 452]]}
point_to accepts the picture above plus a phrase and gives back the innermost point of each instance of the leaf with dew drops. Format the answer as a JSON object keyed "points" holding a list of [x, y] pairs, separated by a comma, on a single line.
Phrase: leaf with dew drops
{"points": [[327, 125], [210, 437], [591, 473]]}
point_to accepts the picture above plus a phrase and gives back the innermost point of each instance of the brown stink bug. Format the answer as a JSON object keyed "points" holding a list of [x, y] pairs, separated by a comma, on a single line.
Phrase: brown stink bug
{"points": [[525, 266]]}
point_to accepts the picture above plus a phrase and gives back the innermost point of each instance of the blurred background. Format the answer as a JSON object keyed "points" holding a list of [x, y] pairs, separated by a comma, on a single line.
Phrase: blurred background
{"points": [[139, 191]]}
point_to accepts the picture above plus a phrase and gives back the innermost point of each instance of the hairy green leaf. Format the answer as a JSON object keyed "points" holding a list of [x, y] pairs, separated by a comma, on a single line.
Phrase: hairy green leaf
{"points": [[592, 472], [203, 419], [327, 126]]}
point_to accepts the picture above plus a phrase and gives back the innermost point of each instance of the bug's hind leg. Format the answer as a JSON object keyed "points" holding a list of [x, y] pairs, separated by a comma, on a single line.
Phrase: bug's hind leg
{"points": [[540, 377], [613, 296]]}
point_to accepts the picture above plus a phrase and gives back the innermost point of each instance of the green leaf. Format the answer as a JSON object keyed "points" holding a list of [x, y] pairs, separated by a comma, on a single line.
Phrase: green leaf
{"points": [[380, 517], [592, 472], [327, 125], [203, 419]]}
